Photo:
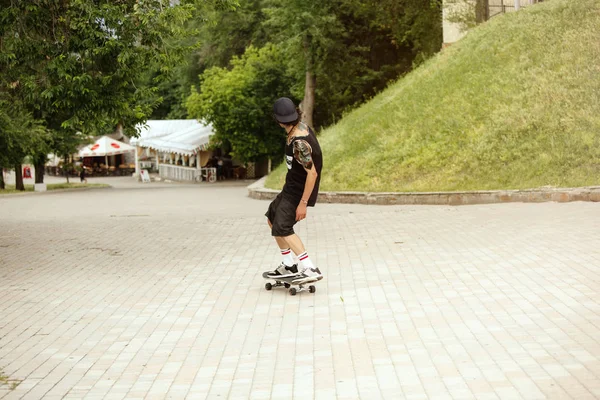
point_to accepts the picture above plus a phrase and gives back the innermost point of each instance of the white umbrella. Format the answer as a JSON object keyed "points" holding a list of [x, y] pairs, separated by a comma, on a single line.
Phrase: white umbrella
{"points": [[105, 146]]}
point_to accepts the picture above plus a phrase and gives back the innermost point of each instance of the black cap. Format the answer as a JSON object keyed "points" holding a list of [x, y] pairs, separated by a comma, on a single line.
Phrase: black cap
{"points": [[285, 110]]}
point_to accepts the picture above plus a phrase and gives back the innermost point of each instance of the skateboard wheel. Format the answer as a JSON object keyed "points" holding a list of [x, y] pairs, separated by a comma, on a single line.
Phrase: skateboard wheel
{"points": [[287, 285], [293, 291], [268, 286], [312, 289]]}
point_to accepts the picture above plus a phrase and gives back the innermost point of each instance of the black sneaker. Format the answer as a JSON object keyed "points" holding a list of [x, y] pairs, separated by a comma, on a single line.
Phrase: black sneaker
{"points": [[283, 271], [308, 275]]}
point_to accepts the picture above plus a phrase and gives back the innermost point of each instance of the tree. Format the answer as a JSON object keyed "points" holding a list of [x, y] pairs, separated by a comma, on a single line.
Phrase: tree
{"points": [[239, 102], [306, 29], [20, 135], [64, 143], [356, 48], [414, 23], [229, 32], [222, 31], [76, 64], [347, 50], [363, 58]]}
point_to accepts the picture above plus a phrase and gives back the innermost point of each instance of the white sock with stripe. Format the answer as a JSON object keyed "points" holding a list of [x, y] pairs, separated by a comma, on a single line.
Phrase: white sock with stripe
{"points": [[305, 261], [288, 258]]}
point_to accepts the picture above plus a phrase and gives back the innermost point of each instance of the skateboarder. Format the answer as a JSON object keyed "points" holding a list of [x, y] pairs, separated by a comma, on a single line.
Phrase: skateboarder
{"points": [[304, 161]]}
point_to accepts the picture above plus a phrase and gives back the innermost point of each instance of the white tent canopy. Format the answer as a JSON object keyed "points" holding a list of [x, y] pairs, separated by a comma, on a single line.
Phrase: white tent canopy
{"points": [[156, 128], [105, 146], [185, 137]]}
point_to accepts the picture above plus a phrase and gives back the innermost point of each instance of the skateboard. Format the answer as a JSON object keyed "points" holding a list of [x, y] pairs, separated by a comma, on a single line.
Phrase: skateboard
{"points": [[287, 283]]}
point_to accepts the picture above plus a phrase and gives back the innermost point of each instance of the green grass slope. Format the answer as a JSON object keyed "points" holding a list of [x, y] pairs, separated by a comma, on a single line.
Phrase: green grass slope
{"points": [[515, 104]]}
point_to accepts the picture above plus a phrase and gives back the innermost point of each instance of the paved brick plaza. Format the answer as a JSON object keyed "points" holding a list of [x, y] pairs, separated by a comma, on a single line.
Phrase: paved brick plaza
{"points": [[155, 292]]}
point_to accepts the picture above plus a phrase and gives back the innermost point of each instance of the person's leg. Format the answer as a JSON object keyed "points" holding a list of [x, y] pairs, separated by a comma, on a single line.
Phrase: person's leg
{"points": [[286, 252], [280, 241], [283, 227], [287, 266], [298, 247], [293, 242]]}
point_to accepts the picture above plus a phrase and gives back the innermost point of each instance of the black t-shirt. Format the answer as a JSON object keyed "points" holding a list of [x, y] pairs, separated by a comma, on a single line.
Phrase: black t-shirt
{"points": [[295, 152]]}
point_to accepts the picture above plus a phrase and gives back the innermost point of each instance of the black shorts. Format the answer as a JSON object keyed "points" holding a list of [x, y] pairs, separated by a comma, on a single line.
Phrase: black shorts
{"points": [[282, 215]]}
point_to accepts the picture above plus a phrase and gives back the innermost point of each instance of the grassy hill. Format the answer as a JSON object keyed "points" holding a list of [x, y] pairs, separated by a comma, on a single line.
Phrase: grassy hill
{"points": [[515, 104]]}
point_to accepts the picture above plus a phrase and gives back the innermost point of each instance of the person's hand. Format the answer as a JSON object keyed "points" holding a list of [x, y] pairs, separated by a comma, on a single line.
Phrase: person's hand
{"points": [[301, 212]]}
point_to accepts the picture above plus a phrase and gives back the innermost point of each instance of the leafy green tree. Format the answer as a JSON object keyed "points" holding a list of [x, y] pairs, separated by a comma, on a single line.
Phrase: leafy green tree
{"points": [[228, 32], [413, 23], [359, 62], [306, 29], [238, 102], [341, 52], [20, 135], [76, 64], [347, 50], [222, 31], [64, 143]]}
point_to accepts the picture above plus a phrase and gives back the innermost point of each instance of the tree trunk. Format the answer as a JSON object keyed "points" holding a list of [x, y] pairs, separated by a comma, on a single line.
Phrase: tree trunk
{"points": [[66, 168], [2, 186], [19, 178], [482, 11], [308, 103], [39, 172]]}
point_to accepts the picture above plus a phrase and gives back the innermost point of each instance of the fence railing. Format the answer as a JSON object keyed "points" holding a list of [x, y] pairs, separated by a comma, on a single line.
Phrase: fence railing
{"points": [[497, 7]]}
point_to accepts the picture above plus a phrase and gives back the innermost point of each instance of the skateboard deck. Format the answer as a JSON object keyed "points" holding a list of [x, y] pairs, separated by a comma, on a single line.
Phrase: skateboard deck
{"points": [[287, 283]]}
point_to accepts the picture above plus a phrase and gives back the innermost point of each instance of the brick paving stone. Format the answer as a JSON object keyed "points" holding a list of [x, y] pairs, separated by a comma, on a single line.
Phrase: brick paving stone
{"points": [[154, 291]]}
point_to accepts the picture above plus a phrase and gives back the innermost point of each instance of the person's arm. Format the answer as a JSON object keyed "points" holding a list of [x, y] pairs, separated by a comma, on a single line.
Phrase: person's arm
{"points": [[303, 154]]}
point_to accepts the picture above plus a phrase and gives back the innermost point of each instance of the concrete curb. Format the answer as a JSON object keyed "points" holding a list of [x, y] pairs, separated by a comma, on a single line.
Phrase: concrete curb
{"points": [[562, 195], [55, 191]]}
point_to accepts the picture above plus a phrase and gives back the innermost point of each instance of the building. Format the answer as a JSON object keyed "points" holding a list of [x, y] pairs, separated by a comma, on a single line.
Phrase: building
{"points": [[176, 149]]}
